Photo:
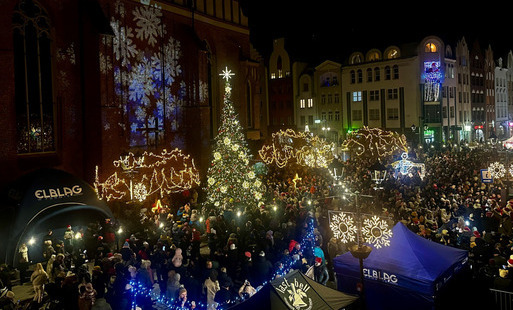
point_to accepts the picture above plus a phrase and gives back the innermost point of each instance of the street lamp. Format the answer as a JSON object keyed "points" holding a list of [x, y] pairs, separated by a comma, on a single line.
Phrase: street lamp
{"points": [[325, 131], [378, 172], [350, 227]]}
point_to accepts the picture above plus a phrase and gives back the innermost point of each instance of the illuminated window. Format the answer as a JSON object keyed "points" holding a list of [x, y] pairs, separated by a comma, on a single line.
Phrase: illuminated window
{"points": [[357, 96], [302, 103], [392, 54], [373, 56], [33, 89], [310, 102], [273, 76], [430, 48]]}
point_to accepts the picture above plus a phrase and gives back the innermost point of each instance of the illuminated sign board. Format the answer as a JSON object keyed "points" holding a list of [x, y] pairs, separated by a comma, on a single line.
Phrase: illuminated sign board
{"points": [[62, 192]]}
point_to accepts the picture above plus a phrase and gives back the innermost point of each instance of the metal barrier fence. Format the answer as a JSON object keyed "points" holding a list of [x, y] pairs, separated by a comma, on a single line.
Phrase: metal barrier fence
{"points": [[503, 299]]}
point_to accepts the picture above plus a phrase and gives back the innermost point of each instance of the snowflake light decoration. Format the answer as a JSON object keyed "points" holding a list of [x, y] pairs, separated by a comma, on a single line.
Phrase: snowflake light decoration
{"points": [[376, 232], [510, 170], [343, 227], [497, 170]]}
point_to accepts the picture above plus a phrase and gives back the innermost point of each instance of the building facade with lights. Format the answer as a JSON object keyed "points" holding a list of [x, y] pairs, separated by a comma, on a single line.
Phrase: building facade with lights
{"points": [[107, 77], [281, 103], [429, 90]]}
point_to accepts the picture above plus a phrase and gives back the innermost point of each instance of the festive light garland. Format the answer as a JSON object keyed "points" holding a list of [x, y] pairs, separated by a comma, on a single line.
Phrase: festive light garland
{"points": [[375, 142], [302, 148], [147, 175], [137, 289]]}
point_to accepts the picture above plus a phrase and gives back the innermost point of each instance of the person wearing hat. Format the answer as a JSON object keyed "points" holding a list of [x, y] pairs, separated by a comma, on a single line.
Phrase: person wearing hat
{"points": [[320, 271]]}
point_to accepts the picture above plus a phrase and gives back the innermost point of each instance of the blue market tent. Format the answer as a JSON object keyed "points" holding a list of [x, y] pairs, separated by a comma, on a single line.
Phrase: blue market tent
{"points": [[405, 275]]}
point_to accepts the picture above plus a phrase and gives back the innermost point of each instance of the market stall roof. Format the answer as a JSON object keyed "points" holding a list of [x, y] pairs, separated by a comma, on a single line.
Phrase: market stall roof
{"points": [[296, 291], [415, 265]]}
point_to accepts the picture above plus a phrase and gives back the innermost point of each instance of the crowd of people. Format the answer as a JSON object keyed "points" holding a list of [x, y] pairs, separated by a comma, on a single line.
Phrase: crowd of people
{"points": [[197, 259]]}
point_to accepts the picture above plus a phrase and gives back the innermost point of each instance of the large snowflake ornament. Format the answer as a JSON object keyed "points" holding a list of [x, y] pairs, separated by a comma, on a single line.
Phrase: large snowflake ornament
{"points": [[376, 232], [343, 227], [497, 170]]}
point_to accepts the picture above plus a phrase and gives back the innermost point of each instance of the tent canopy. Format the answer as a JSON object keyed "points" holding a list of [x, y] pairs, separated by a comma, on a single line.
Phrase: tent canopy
{"points": [[296, 291], [410, 262]]}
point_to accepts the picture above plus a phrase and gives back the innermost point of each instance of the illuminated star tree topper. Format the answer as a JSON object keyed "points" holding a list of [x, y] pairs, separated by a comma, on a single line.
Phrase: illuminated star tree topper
{"points": [[231, 181]]}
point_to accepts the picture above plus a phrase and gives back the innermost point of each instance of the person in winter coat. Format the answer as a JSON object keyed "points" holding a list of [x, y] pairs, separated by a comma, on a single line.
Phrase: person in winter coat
{"points": [[181, 302], [210, 288], [145, 275], [86, 297], [173, 285], [39, 278], [320, 271], [262, 269]]}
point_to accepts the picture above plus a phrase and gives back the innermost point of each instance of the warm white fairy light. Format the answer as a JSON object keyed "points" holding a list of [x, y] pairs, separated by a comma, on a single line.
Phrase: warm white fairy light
{"points": [[375, 142], [497, 170], [300, 148], [376, 231], [149, 174], [343, 227]]}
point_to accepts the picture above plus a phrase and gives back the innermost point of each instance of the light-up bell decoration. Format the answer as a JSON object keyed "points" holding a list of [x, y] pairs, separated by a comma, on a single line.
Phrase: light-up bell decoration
{"points": [[149, 174]]}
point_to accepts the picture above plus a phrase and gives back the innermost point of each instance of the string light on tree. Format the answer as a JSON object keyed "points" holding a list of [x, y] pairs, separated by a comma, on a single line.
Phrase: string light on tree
{"points": [[231, 181]]}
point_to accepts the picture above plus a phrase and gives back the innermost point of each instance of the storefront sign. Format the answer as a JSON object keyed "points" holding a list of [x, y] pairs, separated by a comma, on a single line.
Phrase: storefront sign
{"points": [[61, 192], [379, 276], [295, 294]]}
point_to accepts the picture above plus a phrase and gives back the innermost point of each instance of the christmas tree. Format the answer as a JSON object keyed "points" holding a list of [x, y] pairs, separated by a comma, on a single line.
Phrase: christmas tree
{"points": [[231, 181]]}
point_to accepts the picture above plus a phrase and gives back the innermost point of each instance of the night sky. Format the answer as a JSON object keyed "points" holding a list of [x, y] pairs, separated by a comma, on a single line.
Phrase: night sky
{"points": [[312, 26]]}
